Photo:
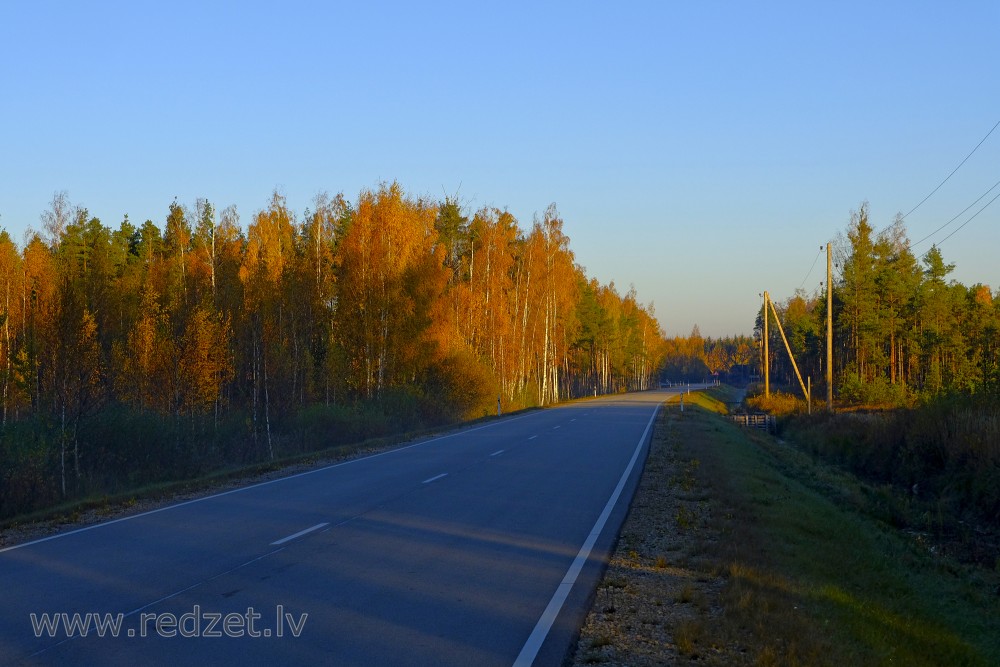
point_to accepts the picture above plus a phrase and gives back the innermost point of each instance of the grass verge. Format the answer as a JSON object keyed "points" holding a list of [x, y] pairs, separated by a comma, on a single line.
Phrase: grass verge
{"points": [[740, 550]]}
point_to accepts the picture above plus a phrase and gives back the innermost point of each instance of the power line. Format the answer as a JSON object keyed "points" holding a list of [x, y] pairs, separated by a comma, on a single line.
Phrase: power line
{"points": [[816, 259], [957, 216], [995, 197], [953, 170]]}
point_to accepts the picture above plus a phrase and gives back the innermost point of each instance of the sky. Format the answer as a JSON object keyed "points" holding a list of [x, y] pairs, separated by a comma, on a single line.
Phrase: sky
{"points": [[700, 151]]}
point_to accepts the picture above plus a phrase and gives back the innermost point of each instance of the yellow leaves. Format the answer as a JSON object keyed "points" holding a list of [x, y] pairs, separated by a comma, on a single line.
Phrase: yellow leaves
{"points": [[389, 231], [40, 276], [270, 244], [205, 363], [88, 353], [391, 283], [982, 296], [144, 365], [79, 360], [158, 372]]}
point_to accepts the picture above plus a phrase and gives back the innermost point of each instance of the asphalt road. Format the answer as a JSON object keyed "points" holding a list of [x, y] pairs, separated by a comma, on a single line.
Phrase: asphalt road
{"points": [[479, 547]]}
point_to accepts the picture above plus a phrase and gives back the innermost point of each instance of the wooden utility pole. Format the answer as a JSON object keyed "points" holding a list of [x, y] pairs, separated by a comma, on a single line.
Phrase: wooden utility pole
{"points": [[829, 330], [767, 357], [788, 348]]}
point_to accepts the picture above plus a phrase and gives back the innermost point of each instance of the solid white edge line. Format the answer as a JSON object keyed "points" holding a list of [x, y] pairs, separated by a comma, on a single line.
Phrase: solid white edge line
{"points": [[259, 484], [537, 637], [278, 543], [434, 478]]}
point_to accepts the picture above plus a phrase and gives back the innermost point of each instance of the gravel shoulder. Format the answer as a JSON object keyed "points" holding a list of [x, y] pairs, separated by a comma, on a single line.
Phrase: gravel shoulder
{"points": [[663, 586]]}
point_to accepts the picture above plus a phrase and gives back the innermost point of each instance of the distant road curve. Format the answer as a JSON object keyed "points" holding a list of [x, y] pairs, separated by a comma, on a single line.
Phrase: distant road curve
{"points": [[479, 547]]}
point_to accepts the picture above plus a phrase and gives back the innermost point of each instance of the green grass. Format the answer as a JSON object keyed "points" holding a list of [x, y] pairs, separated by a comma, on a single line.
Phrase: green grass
{"points": [[713, 399], [819, 582]]}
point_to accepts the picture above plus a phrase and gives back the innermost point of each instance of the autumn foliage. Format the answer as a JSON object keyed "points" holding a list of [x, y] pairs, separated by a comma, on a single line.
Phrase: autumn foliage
{"points": [[152, 352]]}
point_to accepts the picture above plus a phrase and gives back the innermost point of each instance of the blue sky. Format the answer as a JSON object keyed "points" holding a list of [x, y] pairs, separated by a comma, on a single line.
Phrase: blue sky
{"points": [[700, 151]]}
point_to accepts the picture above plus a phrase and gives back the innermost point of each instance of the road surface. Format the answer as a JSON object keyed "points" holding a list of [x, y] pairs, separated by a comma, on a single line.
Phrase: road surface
{"points": [[479, 547]]}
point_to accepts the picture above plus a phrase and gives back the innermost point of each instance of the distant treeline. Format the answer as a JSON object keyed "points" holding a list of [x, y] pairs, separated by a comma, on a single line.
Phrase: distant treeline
{"points": [[144, 353], [732, 359]]}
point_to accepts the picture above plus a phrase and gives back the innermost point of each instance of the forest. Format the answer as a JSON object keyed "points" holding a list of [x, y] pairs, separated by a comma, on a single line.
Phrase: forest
{"points": [[146, 353], [903, 331]]}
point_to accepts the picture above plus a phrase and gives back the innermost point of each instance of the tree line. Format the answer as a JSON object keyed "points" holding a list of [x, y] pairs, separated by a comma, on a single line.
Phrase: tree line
{"points": [[133, 354], [694, 358], [902, 330]]}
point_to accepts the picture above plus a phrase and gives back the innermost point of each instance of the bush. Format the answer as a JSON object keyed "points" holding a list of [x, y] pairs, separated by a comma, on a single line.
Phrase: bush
{"points": [[28, 474], [877, 392], [949, 447], [777, 404], [321, 426], [460, 388]]}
